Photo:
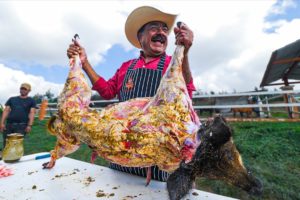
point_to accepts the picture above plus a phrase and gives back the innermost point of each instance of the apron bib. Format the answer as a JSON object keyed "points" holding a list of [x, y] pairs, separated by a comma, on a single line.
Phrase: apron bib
{"points": [[142, 82]]}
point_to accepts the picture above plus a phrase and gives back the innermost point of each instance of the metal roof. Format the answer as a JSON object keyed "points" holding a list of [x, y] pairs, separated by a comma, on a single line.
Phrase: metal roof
{"points": [[284, 64]]}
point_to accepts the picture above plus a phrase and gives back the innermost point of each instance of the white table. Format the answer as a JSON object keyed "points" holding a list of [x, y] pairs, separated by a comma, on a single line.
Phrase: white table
{"points": [[75, 180]]}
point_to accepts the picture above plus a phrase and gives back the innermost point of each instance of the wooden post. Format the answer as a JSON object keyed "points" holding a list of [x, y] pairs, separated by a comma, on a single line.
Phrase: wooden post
{"points": [[286, 98], [295, 109], [268, 108]]}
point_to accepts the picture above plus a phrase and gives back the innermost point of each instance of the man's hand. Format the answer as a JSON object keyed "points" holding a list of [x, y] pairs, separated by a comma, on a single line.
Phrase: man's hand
{"points": [[2, 127], [28, 129], [75, 49], [184, 36]]}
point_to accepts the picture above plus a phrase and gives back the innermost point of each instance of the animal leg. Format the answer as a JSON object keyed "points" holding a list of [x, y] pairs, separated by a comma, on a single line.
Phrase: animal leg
{"points": [[241, 114], [180, 182], [66, 143], [148, 178], [61, 149], [93, 157]]}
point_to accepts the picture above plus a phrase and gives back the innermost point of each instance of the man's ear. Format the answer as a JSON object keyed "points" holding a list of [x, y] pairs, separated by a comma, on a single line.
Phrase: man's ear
{"points": [[139, 36]]}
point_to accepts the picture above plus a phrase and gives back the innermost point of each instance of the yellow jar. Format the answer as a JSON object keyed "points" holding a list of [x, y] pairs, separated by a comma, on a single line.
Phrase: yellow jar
{"points": [[14, 148]]}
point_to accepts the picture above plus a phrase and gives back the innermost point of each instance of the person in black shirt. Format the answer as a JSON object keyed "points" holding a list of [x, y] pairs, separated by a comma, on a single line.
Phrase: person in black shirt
{"points": [[18, 113]]}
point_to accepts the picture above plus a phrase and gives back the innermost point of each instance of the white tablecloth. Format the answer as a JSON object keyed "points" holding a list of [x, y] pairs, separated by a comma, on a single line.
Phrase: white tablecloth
{"points": [[76, 180]]}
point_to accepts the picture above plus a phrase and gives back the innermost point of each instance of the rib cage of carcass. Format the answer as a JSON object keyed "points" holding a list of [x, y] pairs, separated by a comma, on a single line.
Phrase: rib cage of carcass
{"points": [[141, 132]]}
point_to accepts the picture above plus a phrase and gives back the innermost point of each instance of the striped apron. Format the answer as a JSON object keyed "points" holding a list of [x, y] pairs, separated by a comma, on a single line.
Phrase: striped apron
{"points": [[142, 82]]}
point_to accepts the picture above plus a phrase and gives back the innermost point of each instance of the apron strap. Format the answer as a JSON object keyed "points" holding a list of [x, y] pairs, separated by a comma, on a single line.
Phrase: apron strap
{"points": [[133, 64], [161, 63]]}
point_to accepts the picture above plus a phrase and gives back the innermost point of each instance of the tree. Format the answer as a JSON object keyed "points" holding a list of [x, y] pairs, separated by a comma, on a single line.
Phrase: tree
{"points": [[1, 109], [38, 98], [49, 95]]}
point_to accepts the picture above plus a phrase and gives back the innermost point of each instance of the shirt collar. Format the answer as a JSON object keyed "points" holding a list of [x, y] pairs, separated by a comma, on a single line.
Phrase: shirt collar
{"points": [[142, 57]]}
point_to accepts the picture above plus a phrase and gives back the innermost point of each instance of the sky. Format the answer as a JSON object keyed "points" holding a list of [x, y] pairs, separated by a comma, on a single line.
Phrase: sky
{"points": [[233, 40]]}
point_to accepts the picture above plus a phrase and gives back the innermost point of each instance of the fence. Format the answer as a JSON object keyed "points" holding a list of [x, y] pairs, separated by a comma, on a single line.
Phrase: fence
{"points": [[263, 102], [223, 102]]}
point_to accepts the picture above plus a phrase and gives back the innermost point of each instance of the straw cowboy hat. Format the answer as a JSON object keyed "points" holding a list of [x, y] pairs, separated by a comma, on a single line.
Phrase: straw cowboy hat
{"points": [[141, 16]]}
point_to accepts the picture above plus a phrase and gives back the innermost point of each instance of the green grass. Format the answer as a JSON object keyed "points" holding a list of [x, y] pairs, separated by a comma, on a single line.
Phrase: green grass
{"points": [[270, 150], [280, 115]]}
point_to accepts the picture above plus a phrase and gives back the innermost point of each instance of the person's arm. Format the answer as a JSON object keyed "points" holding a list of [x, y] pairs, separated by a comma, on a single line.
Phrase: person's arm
{"points": [[89, 70], [76, 49], [106, 89], [31, 119], [5, 113]]}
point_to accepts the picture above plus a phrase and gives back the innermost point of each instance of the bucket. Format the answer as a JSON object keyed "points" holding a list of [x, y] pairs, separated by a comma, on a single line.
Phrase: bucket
{"points": [[14, 148]]}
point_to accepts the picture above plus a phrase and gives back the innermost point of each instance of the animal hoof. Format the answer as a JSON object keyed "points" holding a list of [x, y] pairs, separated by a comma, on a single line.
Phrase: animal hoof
{"points": [[45, 165], [48, 165]]}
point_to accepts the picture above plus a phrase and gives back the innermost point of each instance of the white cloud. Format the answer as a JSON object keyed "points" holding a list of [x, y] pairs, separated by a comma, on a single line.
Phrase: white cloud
{"points": [[230, 50], [281, 6], [236, 54], [10, 81]]}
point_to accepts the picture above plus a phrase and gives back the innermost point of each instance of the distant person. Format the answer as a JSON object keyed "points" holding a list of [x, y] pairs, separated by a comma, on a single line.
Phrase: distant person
{"points": [[18, 113]]}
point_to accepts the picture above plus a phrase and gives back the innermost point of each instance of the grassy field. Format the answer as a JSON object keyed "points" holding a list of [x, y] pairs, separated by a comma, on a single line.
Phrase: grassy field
{"points": [[270, 150]]}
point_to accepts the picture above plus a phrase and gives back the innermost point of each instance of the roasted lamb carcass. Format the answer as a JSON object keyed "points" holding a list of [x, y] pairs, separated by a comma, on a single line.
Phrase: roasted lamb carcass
{"points": [[142, 132]]}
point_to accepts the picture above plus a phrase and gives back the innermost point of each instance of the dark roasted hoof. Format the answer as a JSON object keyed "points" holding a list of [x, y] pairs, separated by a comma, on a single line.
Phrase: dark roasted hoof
{"points": [[179, 183], [45, 165], [48, 165]]}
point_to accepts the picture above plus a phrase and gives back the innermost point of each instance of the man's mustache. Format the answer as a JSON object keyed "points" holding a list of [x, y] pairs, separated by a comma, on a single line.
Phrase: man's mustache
{"points": [[159, 38]]}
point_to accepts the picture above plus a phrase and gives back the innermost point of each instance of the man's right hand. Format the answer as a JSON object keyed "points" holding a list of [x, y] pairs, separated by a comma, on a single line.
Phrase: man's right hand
{"points": [[2, 128], [75, 49]]}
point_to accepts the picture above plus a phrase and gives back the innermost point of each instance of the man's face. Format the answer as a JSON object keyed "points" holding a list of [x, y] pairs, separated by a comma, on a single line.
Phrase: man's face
{"points": [[24, 92], [154, 38]]}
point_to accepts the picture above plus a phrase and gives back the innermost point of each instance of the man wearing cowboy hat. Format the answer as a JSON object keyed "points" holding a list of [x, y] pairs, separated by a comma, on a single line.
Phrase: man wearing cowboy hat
{"points": [[146, 28], [18, 113]]}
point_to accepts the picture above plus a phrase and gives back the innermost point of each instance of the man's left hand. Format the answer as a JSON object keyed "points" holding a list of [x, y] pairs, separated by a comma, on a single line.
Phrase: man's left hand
{"points": [[184, 36]]}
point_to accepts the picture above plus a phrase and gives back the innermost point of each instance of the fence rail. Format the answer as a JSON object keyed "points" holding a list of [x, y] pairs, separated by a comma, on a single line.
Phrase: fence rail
{"points": [[263, 104], [247, 94], [250, 106]]}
